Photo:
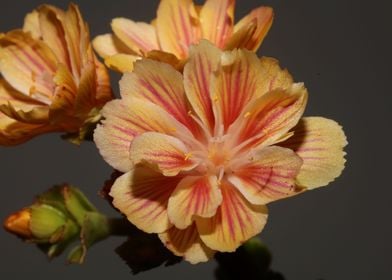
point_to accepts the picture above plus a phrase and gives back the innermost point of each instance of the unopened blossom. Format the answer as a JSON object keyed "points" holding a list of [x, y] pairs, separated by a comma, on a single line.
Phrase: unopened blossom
{"points": [[178, 25], [50, 79], [203, 152]]}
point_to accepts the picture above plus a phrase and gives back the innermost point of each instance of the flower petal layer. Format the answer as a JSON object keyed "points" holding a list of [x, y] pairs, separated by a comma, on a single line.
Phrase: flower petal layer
{"points": [[121, 62], [269, 175], [270, 117], [216, 18], [160, 84], [272, 76], [166, 153], [235, 84], [186, 243], [319, 142], [177, 26], [194, 196], [262, 17], [203, 61], [138, 36], [142, 195], [126, 119], [236, 221]]}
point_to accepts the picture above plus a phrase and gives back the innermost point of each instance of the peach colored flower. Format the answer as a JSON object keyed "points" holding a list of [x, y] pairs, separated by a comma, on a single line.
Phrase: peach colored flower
{"points": [[204, 152], [178, 25], [51, 79]]}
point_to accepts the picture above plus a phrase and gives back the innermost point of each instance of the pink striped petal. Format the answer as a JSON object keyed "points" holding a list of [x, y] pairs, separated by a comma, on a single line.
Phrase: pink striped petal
{"points": [[186, 243], [194, 196], [235, 222], [267, 119], [319, 142], [142, 195], [235, 84], [268, 175], [262, 17], [166, 153], [203, 61], [160, 84], [127, 118], [216, 18], [177, 26], [137, 36]]}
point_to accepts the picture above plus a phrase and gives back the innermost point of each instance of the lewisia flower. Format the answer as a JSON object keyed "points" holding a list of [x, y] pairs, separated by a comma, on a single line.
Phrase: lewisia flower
{"points": [[204, 152], [51, 79], [178, 25]]}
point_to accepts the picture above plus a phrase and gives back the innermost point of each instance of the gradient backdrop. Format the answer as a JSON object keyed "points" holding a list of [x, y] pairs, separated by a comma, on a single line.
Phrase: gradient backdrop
{"points": [[342, 51]]}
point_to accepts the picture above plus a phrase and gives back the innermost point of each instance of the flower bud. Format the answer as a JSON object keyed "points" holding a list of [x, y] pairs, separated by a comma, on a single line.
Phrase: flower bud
{"points": [[19, 223], [58, 217]]}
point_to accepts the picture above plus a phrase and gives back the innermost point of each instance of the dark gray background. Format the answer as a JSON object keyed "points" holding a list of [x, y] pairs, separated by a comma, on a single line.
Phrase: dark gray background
{"points": [[341, 50]]}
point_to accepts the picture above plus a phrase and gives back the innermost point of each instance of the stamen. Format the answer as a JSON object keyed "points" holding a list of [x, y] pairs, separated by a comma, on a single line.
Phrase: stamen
{"points": [[188, 156], [247, 114]]}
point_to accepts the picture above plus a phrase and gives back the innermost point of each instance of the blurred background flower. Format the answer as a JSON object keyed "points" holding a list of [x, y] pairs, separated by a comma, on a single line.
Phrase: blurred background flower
{"points": [[51, 80], [178, 25]]}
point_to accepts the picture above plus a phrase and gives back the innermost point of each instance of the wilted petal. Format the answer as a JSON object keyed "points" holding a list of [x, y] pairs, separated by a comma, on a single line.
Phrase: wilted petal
{"points": [[268, 118], [27, 64], [319, 142], [177, 26], [142, 195], [262, 17], [126, 119], [235, 84], [186, 243], [235, 222], [268, 175], [194, 196], [166, 153], [138, 36], [14, 132], [203, 61], [216, 19], [160, 84]]}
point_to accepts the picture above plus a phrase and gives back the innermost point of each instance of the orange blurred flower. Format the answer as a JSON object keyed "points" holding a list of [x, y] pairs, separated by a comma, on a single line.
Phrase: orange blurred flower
{"points": [[203, 152], [51, 79], [179, 24]]}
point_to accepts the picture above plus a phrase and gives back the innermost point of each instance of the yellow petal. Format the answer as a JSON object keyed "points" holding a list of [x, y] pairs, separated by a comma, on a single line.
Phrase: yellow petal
{"points": [[31, 24], [203, 61], [137, 36], [273, 77], [262, 17], [186, 243], [177, 26], [142, 195], [160, 84], [216, 18], [166, 57], [267, 119], [319, 142], [235, 84], [242, 35], [194, 196], [121, 62], [235, 222], [125, 119], [268, 175], [168, 154], [27, 64], [107, 45]]}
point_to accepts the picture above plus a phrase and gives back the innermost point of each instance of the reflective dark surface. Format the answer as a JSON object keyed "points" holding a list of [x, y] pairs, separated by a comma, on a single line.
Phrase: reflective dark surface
{"points": [[342, 51]]}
